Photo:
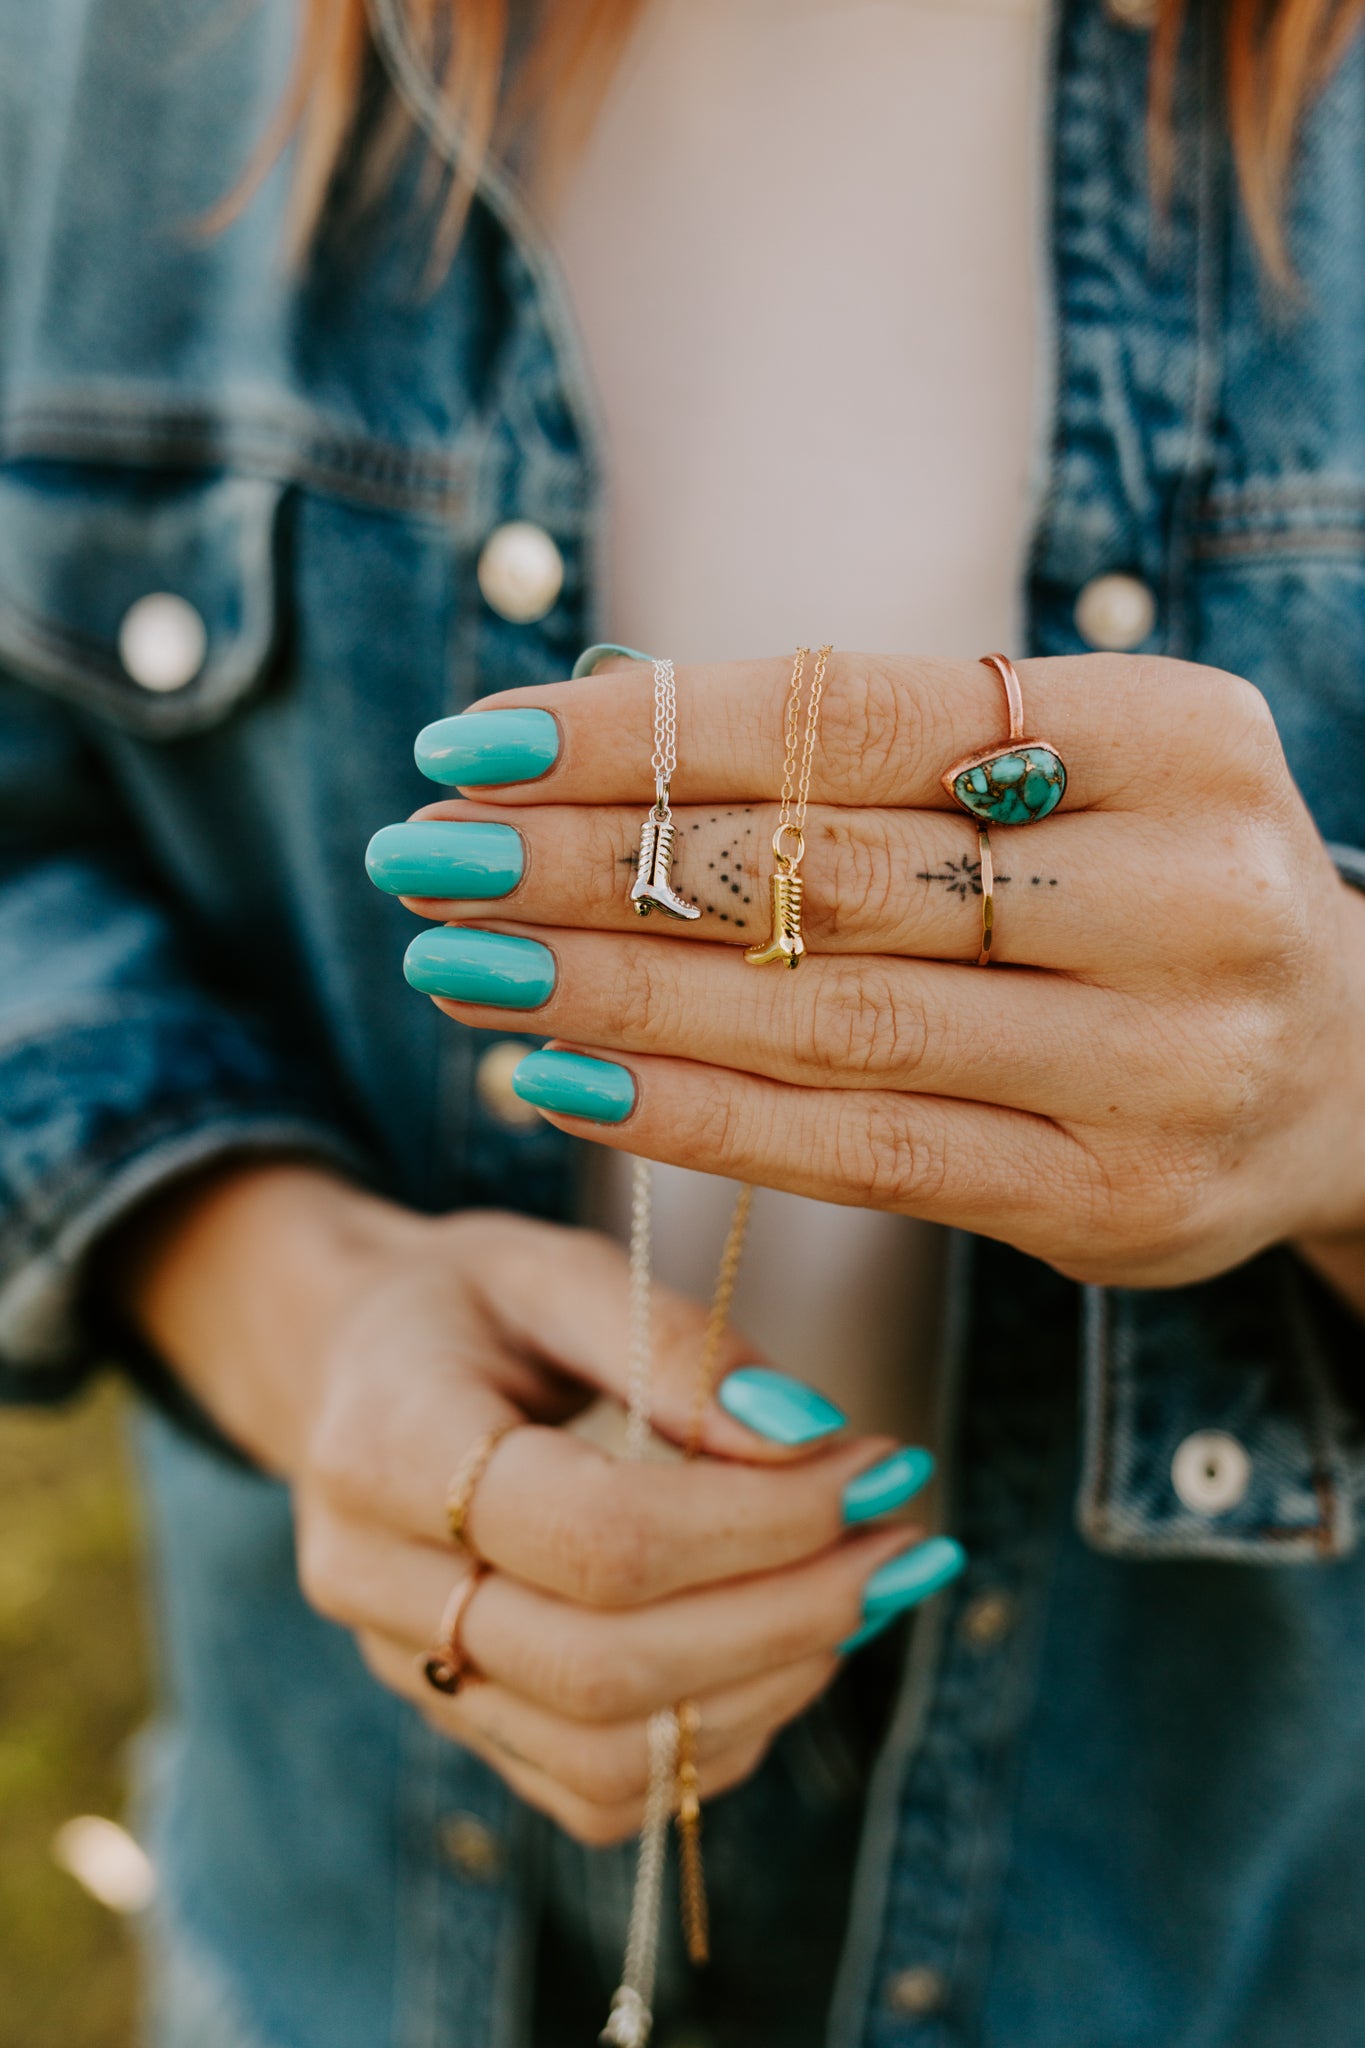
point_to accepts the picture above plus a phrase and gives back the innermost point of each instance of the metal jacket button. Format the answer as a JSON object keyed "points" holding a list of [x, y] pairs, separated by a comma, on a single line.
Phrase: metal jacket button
{"points": [[162, 642], [1115, 613], [916, 1992], [1136, 14], [493, 1079], [472, 1847], [1211, 1472], [521, 572]]}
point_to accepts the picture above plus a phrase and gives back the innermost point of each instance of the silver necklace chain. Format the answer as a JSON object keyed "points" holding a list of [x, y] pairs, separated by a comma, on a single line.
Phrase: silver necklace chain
{"points": [[665, 757]]}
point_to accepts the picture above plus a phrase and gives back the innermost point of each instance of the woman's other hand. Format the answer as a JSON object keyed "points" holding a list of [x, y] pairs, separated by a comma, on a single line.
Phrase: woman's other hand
{"points": [[370, 1349]]}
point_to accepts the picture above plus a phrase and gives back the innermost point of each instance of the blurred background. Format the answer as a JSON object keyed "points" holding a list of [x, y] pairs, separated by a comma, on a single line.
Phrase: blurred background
{"points": [[73, 1687]]}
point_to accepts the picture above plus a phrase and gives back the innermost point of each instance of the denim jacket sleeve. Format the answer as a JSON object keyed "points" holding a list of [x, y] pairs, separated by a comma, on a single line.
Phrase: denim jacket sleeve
{"points": [[1224, 1421], [118, 1070]]}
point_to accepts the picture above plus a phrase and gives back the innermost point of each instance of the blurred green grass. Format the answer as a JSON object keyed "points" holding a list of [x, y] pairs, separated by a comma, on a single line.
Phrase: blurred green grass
{"points": [[72, 1692]]}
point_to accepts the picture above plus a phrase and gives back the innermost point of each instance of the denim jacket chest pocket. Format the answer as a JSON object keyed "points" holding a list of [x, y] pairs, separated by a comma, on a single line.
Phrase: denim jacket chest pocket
{"points": [[148, 599]]}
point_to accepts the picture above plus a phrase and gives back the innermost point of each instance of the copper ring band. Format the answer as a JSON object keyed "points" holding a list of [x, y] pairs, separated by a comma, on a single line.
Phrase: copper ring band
{"points": [[446, 1666], [465, 1483], [987, 882]]}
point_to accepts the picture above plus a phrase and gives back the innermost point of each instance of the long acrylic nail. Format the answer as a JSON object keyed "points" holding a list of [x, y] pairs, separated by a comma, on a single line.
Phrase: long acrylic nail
{"points": [[889, 1485], [469, 858], [903, 1583], [479, 748], [571, 1084], [493, 968], [775, 1406]]}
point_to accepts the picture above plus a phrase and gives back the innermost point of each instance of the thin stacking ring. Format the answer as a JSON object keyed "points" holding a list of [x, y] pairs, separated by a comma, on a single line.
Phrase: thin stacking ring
{"points": [[1016, 783], [464, 1485], [987, 884], [446, 1666]]}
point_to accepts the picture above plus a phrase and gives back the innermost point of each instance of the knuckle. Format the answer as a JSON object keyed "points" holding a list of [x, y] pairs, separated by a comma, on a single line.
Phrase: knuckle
{"points": [[599, 1827], [866, 1022], [608, 1547], [586, 1684], [871, 726], [340, 1452], [605, 1771], [891, 1166], [854, 864], [323, 1579]]}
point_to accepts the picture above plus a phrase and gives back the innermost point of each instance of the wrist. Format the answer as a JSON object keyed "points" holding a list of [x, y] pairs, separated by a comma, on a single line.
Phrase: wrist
{"points": [[239, 1280]]}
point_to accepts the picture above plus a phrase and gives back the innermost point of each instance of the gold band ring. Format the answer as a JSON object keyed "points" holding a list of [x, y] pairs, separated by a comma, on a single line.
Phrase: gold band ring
{"points": [[987, 885], [446, 1665], [463, 1486]]}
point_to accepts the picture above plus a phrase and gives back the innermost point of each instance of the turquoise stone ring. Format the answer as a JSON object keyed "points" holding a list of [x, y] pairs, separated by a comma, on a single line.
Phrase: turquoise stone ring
{"points": [[1015, 783]]}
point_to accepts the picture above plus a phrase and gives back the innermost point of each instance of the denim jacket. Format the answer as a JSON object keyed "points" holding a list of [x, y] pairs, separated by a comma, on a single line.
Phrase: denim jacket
{"points": [[1122, 1799]]}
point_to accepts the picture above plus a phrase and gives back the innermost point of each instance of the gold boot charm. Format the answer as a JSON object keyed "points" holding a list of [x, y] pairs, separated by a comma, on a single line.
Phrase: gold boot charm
{"points": [[653, 888], [786, 942], [787, 888]]}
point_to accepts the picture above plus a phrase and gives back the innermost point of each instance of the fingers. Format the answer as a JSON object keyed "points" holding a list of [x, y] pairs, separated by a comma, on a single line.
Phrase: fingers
{"points": [[1133, 731], [1001, 1173], [605, 1763], [563, 1516], [876, 881], [604, 1665], [1023, 1041]]}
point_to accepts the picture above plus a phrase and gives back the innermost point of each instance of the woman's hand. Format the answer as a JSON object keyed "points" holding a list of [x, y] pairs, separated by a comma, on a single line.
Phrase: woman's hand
{"points": [[372, 1348], [1161, 1075]]}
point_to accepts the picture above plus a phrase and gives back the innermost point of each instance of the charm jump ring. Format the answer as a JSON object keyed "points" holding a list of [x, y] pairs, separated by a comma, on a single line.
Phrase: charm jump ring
{"points": [[1014, 783]]}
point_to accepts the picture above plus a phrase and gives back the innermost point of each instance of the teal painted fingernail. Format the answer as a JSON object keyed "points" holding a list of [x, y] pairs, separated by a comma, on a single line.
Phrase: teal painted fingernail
{"points": [[592, 658], [481, 967], [482, 747], [774, 1405], [903, 1583], [885, 1487], [444, 858], [572, 1085]]}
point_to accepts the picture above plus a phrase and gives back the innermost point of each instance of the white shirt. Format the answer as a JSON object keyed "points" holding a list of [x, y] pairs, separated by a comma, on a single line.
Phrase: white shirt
{"points": [[803, 248]]}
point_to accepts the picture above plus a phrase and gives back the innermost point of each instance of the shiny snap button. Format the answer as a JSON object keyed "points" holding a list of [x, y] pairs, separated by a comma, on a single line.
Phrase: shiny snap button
{"points": [[162, 642], [472, 1847], [1211, 1472], [493, 1079], [916, 1992], [1138, 14], [521, 572], [988, 1619], [1115, 613]]}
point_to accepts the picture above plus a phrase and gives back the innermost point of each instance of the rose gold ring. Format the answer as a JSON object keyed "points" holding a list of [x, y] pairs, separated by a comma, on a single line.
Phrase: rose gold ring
{"points": [[1016, 783], [987, 886], [465, 1483], [446, 1666]]}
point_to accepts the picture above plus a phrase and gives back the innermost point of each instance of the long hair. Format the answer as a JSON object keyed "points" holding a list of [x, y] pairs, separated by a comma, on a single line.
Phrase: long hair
{"points": [[1277, 56]]}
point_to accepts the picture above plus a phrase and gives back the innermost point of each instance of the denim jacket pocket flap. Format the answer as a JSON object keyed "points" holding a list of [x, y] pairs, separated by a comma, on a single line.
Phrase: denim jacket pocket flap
{"points": [[149, 599], [1215, 1421]]}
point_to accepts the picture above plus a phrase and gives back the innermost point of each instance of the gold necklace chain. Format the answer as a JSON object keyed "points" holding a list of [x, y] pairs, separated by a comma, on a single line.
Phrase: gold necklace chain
{"points": [[786, 946]]}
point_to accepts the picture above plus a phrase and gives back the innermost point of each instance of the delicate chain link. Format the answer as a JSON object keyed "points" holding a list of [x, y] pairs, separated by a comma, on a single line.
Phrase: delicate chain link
{"points": [[791, 730], [817, 691], [632, 2019], [796, 789], [664, 761], [641, 1294], [726, 1277]]}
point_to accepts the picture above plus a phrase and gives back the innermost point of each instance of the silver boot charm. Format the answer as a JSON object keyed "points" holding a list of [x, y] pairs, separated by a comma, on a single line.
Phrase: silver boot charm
{"points": [[653, 888]]}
